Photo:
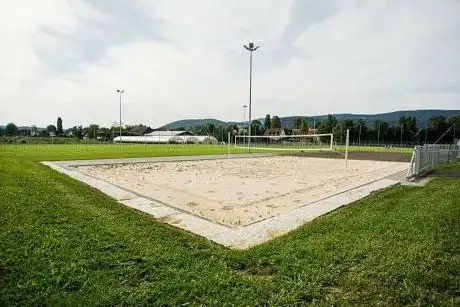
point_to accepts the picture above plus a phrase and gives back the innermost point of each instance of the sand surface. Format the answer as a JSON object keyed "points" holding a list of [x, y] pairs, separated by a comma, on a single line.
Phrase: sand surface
{"points": [[238, 192]]}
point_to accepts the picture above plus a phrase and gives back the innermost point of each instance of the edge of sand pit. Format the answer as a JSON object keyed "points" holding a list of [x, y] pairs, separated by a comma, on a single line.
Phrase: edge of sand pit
{"points": [[241, 238]]}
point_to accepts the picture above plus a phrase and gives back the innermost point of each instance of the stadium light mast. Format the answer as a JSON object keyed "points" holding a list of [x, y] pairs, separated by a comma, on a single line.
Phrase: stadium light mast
{"points": [[251, 48], [120, 92], [244, 120]]}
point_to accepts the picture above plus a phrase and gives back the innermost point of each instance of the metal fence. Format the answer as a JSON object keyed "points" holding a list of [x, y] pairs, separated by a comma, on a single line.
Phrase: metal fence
{"points": [[425, 157]]}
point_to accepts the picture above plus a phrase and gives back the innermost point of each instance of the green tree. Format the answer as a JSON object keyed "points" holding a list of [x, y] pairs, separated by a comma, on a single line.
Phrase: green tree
{"points": [[407, 128], [303, 128], [437, 122], [220, 135], [328, 125], [59, 130], [381, 132], [275, 122], [77, 132], [256, 128], [233, 129], [92, 131], [348, 124], [455, 120], [210, 129], [297, 123], [361, 132], [51, 129], [11, 130], [267, 121]]}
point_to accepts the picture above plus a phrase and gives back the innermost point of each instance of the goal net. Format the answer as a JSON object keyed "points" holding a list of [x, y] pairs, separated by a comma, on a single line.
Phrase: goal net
{"points": [[308, 142]]}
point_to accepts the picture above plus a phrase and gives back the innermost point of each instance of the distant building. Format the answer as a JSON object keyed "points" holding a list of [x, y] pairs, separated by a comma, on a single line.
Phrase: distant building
{"points": [[168, 137], [299, 131], [34, 133], [140, 130], [169, 133], [275, 132]]}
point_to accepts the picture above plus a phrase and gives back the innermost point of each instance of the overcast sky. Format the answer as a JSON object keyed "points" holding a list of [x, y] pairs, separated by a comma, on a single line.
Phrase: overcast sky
{"points": [[184, 59]]}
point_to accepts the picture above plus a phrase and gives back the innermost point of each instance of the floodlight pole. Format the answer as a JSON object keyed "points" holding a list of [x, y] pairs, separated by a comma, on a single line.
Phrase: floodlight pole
{"points": [[121, 94], [251, 48], [244, 120]]}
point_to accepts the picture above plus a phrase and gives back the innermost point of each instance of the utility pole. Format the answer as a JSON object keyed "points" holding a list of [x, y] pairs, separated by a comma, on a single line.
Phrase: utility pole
{"points": [[251, 48], [119, 91], [244, 120], [359, 137]]}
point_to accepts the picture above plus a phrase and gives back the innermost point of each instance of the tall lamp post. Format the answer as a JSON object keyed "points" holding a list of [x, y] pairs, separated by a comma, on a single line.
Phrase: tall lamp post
{"points": [[244, 120], [119, 91], [251, 48]]}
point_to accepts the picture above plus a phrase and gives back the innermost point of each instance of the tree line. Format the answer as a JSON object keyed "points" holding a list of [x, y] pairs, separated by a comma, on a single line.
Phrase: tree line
{"points": [[406, 131], [92, 131]]}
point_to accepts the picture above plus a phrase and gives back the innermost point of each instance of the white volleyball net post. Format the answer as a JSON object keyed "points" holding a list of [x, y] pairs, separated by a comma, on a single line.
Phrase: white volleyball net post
{"points": [[229, 142], [307, 142]]}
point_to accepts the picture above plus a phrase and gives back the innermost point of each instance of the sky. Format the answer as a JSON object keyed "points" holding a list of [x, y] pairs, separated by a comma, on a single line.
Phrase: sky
{"points": [[181, 59]]}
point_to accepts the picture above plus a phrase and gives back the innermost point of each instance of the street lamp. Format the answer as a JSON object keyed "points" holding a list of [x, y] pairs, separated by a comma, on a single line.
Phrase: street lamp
{"points": [[121, 94], [244, 120], [251, 48]]}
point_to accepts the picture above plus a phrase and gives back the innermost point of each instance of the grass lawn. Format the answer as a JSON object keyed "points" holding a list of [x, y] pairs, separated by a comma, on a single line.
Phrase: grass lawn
{"points": [[39, 152], [62, 242]]}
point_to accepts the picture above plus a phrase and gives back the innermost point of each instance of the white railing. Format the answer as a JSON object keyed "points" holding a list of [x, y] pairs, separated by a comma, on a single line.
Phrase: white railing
{"points": [[425, 157]]}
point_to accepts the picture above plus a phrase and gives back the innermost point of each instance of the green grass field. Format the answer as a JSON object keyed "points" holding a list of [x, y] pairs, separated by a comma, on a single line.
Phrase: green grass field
{"points": [[40, 152], [64, 243]]}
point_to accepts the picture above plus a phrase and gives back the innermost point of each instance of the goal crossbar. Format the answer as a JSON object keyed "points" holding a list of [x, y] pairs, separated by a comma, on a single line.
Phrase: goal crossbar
{"points": [[303, 142]]}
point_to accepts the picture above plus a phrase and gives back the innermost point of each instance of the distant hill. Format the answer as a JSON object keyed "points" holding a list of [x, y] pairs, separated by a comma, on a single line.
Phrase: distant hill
{"points": [[190, 123], [422, 116], [392, 118]]}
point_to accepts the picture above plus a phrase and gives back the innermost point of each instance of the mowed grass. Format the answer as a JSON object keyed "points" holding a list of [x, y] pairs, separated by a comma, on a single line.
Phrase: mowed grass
{"points": [[40, 152], [64, 243], [104, 151]]}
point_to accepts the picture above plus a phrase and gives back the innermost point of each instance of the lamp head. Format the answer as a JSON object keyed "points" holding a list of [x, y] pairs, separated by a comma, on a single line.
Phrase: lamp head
{"points": [[251, 47]]}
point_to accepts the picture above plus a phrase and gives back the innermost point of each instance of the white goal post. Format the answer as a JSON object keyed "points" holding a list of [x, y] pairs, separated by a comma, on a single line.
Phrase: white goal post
{"points": [[305, 142]]}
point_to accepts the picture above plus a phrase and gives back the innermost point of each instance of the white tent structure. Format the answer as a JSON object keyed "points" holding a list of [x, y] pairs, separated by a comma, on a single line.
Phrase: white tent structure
{"points": [[168, 137]]}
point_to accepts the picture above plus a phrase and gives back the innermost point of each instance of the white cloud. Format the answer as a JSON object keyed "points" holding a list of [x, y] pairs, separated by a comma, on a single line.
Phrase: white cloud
{"points": [[183, 59]]}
